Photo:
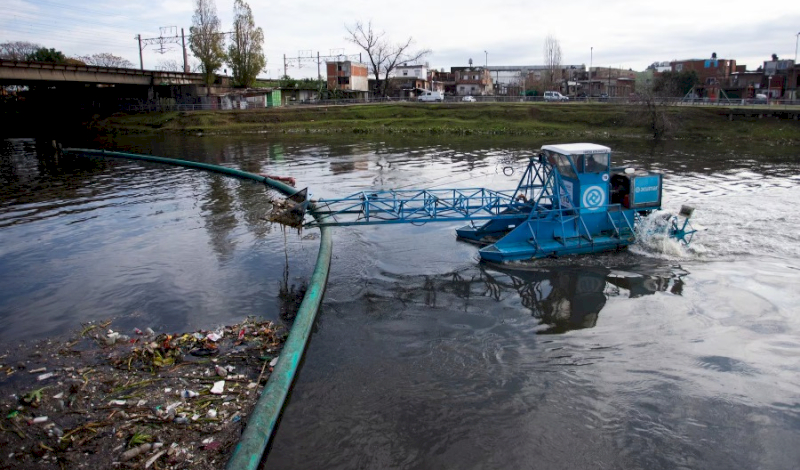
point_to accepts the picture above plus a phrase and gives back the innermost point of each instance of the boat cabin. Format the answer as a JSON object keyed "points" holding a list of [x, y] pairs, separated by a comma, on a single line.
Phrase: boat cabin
{"points": [[590, 183]]}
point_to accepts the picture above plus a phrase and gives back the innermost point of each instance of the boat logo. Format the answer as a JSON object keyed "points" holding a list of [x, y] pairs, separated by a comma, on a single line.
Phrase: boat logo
{"points": [[593, 198]]}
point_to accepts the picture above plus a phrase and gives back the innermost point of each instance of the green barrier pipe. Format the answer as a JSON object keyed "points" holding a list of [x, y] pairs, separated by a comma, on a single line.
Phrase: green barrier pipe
{"points": [[262, 422]]}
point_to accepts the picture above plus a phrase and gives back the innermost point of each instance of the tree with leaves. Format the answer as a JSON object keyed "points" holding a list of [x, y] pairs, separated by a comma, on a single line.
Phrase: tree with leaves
{"points": [[552, 61], [17, 50], [676, 84], [383, 56], [245, 54], [47, 55], [206, 40], [106, 59]]}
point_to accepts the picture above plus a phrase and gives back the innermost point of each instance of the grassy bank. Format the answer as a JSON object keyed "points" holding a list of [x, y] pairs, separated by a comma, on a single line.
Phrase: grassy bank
{"points": [[480, 119]]}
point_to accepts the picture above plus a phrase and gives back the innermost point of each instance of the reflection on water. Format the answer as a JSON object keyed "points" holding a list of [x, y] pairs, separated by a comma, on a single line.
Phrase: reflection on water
{"points": [[144, 244], [562, 298]]}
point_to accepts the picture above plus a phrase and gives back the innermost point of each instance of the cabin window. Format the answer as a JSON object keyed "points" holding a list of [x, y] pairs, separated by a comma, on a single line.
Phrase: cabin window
{"points": [[564, 166], [593, 163]]}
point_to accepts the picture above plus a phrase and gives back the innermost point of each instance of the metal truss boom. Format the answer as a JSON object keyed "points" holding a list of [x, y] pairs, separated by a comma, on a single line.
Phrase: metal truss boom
{"points": [[415, 205]]}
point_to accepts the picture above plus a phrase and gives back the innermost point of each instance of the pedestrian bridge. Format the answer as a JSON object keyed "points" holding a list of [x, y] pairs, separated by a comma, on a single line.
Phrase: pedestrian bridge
{"points": [[28, 73]]}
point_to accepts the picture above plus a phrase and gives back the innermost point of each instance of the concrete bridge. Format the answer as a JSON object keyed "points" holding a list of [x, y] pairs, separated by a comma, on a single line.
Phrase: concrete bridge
{"points": [[31, 73]]}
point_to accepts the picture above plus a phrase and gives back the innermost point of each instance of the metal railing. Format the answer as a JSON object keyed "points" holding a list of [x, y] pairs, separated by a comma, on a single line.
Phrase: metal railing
{"points": [[612, 100]]}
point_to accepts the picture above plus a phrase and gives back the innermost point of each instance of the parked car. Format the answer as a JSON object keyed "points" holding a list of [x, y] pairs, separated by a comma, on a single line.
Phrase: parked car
{"points": [[428, 95], [603, 96], [468, 98], [554, 96]]}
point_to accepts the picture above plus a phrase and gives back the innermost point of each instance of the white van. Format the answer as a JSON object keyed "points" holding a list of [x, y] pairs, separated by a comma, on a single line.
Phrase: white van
{"points": [[554, 96], [428, 95]]}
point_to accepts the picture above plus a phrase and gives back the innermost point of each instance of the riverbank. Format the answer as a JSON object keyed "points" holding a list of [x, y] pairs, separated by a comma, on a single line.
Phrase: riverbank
{"points": [[561, 121], [102, 399]]}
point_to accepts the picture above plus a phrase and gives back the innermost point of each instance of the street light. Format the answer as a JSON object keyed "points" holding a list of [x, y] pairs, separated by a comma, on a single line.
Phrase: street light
{"points": [[487, 59], [591, 55], [797, 37], [794, 67]]}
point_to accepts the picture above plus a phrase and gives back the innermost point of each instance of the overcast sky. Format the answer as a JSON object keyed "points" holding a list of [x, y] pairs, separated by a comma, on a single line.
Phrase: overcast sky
{"points": [[611, 33]]}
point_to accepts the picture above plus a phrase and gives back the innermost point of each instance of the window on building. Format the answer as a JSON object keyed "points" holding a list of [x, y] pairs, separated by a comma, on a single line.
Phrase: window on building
{"points": [[405, 73], [678, 67], [344, 80]]}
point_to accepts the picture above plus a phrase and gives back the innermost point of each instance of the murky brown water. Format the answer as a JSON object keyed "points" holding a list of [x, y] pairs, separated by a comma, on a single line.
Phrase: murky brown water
{"points": [[423, 357]]}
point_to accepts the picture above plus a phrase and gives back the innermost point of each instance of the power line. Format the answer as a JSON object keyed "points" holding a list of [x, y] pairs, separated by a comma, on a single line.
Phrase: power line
{"points": [[307, 56], [55, 17], [73, 39], [73, 8]]}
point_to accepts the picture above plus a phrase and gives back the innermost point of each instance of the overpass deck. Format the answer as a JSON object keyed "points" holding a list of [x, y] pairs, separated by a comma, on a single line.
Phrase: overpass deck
{"points": [[22, 73]]}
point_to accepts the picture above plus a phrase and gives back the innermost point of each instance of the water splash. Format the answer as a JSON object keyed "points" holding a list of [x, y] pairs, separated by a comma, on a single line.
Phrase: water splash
{"points": [[652, 238]]}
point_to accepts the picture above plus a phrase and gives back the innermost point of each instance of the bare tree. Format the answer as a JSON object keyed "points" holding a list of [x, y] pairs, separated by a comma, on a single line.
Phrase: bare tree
{"points": [[383, 56], [206, 40], [106, 59], [652, 108], [245, 53], [18, 50], [552, 60], [169, 65]]}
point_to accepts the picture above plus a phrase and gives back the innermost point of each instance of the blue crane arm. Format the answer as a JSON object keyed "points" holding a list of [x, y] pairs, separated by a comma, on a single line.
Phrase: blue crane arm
{"points": [[415, 206]]}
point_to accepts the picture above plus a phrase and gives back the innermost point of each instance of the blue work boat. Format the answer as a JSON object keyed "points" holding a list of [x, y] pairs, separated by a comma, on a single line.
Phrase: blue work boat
{"points": [[570, 200]]}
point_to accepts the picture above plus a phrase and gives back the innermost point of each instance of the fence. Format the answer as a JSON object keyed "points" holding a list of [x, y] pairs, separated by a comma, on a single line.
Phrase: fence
{"points": [[168, 107]]}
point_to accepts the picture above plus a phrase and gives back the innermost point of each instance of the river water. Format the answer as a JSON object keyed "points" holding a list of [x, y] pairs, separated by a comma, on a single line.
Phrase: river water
{"points": [[422, 357]]}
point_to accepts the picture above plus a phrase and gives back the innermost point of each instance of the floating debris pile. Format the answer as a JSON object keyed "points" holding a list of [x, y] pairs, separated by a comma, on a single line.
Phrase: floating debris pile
{"points": [[109, 400]]}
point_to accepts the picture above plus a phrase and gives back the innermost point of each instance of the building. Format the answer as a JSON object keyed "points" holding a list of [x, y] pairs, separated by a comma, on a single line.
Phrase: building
{"points": [[347, 76], [713, 73], [780, 78], [619, 83], [410, 79], [442, 81], [660, 67], [518, 79], [473, 81]]}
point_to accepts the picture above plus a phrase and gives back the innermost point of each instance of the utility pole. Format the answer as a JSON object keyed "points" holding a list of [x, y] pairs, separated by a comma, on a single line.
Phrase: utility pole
{"points": [[308, 56], [141, 63], [794, 67], [591, 56], [185, 58], [171, 38]]}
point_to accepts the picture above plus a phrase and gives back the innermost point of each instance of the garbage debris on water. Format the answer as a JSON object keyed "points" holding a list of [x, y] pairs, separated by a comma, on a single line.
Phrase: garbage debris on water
{"points": [[218, 387], [291, 210], [163, 401]]}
